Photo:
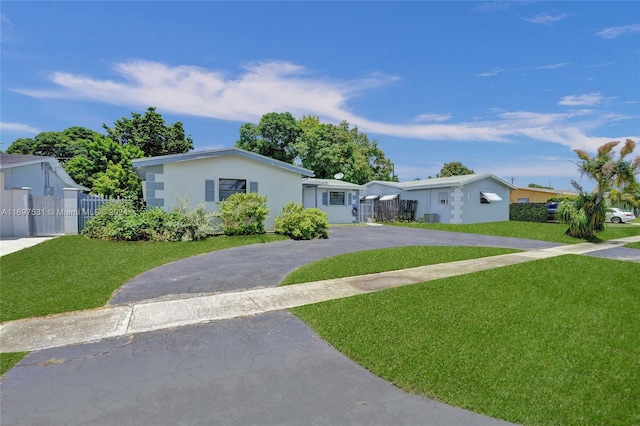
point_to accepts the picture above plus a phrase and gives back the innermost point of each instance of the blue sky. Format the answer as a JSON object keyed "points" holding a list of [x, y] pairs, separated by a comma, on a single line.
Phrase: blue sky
{"points": [[509, 88]]}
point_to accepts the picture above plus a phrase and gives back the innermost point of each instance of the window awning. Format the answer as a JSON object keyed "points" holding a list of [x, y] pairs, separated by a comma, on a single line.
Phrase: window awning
{"points": [[370, 197], [389, 197], [490, 196]]}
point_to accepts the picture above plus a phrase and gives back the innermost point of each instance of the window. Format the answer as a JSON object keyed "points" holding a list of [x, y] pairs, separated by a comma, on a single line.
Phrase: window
{"points": [[228, 187], [336, 198], [489, 197], [210, 190], [523, 200], [443, 198]]}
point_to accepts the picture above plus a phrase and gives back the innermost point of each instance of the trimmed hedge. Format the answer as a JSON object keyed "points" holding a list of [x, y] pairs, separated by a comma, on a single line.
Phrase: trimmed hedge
{"points": [[528, 212]]}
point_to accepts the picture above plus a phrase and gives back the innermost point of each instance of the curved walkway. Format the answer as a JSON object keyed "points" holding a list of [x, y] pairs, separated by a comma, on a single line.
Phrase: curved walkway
{"points": [[267, 369]]}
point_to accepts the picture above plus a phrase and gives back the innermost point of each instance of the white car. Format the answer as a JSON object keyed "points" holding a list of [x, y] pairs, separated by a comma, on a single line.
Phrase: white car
{"points": [[617, 215]]}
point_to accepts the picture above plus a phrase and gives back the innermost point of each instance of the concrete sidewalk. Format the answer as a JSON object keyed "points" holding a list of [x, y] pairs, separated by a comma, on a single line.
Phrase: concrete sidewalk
{"points": [[92, 325], [11, 245]]}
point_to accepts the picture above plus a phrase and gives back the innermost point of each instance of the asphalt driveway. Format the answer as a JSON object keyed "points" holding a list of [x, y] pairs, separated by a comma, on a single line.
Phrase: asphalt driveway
{"points": [[261, 265]]}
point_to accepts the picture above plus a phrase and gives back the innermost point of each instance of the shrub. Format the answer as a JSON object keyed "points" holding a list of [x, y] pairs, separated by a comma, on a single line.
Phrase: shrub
{"points": [[116, 220], [302, 224], [121, 221], [528, 212], [243, 214]]}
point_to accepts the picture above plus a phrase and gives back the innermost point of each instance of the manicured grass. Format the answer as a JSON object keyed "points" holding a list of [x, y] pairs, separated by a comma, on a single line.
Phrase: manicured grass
{"points": [[633, 245], [535, 231], [8, 360], [74, 272], [552, 341], [373, 261]]}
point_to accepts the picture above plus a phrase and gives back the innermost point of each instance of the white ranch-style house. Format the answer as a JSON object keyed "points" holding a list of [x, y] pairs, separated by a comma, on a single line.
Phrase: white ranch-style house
{"points": [[209, 177], [474, 198]]}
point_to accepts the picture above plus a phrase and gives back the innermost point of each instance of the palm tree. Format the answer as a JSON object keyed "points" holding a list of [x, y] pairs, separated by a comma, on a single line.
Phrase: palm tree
{"points": [[586, 215]]}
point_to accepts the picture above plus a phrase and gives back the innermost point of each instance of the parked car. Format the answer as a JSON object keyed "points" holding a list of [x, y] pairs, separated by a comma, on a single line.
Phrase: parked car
{"points": [[551, 211], [617, 215]]}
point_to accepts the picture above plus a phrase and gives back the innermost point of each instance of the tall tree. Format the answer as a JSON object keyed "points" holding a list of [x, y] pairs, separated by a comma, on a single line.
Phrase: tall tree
{"points": [[149, 133], [325, 148], [455, 168], [275, 136], [61, 145], [99, 154], [586, 216]]}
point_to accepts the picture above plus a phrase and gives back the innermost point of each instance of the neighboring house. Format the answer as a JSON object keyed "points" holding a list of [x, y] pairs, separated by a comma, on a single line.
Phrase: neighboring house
{"points": [[38, 197], [335, 197], [208, 177], [538, 195], [471, 198]]}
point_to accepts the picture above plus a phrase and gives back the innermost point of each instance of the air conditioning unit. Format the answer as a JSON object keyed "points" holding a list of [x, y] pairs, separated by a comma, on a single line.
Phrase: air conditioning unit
{"points": [[431, 218]]}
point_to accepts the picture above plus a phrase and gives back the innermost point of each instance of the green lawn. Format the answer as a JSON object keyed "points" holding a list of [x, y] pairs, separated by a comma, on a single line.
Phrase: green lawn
{"points": [[373, 261], [535, 231], [553, 341], [73, 272]]}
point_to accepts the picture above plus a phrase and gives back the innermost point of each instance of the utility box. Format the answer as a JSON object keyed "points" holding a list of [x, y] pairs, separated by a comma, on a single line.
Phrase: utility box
{"points": [[431, 217]]}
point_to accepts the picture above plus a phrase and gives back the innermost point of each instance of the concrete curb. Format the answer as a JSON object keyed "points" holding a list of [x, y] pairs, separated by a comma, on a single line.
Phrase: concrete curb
{"points": [[85, 326]]}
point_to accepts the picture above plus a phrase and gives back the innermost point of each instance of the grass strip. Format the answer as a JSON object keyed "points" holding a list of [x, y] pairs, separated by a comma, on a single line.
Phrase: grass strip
{"points": [[552, 341], [9, 359], [71, 273], [553, 232], [390, 259]]}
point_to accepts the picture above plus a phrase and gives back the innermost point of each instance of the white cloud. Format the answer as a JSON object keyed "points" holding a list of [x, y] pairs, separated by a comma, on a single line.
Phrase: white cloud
{"points": [[283, 86], [17, 127], [546, 19], [615, 32], [5, 28], [539, 67], [589, 99], [433, 117]]}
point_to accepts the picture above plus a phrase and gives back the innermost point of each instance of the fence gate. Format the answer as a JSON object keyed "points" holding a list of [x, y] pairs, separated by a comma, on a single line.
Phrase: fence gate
{"points": [[366, 212], [47, 216], [88, 204]]}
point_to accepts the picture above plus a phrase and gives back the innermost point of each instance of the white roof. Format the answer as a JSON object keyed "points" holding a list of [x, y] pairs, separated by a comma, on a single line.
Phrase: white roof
{"points": [[331, 183], [140, 163], [442, 182]]}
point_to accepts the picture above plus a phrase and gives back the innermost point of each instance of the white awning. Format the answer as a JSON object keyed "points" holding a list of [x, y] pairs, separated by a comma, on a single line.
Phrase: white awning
{"points": [[490, 196], [371, 197], [389, 197]]}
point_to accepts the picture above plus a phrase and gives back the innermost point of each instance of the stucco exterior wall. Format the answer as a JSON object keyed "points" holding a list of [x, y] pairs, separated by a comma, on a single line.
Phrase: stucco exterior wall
{"points": [[477, 212], [186, 179], [36, 176], [454, 204], [318, 197]]}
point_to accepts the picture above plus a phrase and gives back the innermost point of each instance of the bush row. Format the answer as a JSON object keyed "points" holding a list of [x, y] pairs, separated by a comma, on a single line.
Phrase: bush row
{"points": [[240, 214], [120, 220]]}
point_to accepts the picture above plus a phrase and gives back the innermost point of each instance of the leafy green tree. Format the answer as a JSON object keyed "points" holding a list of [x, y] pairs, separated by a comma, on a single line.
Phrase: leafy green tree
{"points": [[61, 145], [118, 181], [149, 133], [535, 185], [586, 215], [455, 168], [99, 153], [327, 149], [275, 136]]}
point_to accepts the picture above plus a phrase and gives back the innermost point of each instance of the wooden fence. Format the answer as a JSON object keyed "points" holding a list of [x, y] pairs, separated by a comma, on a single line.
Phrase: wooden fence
{"points": [[394, 210]]}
